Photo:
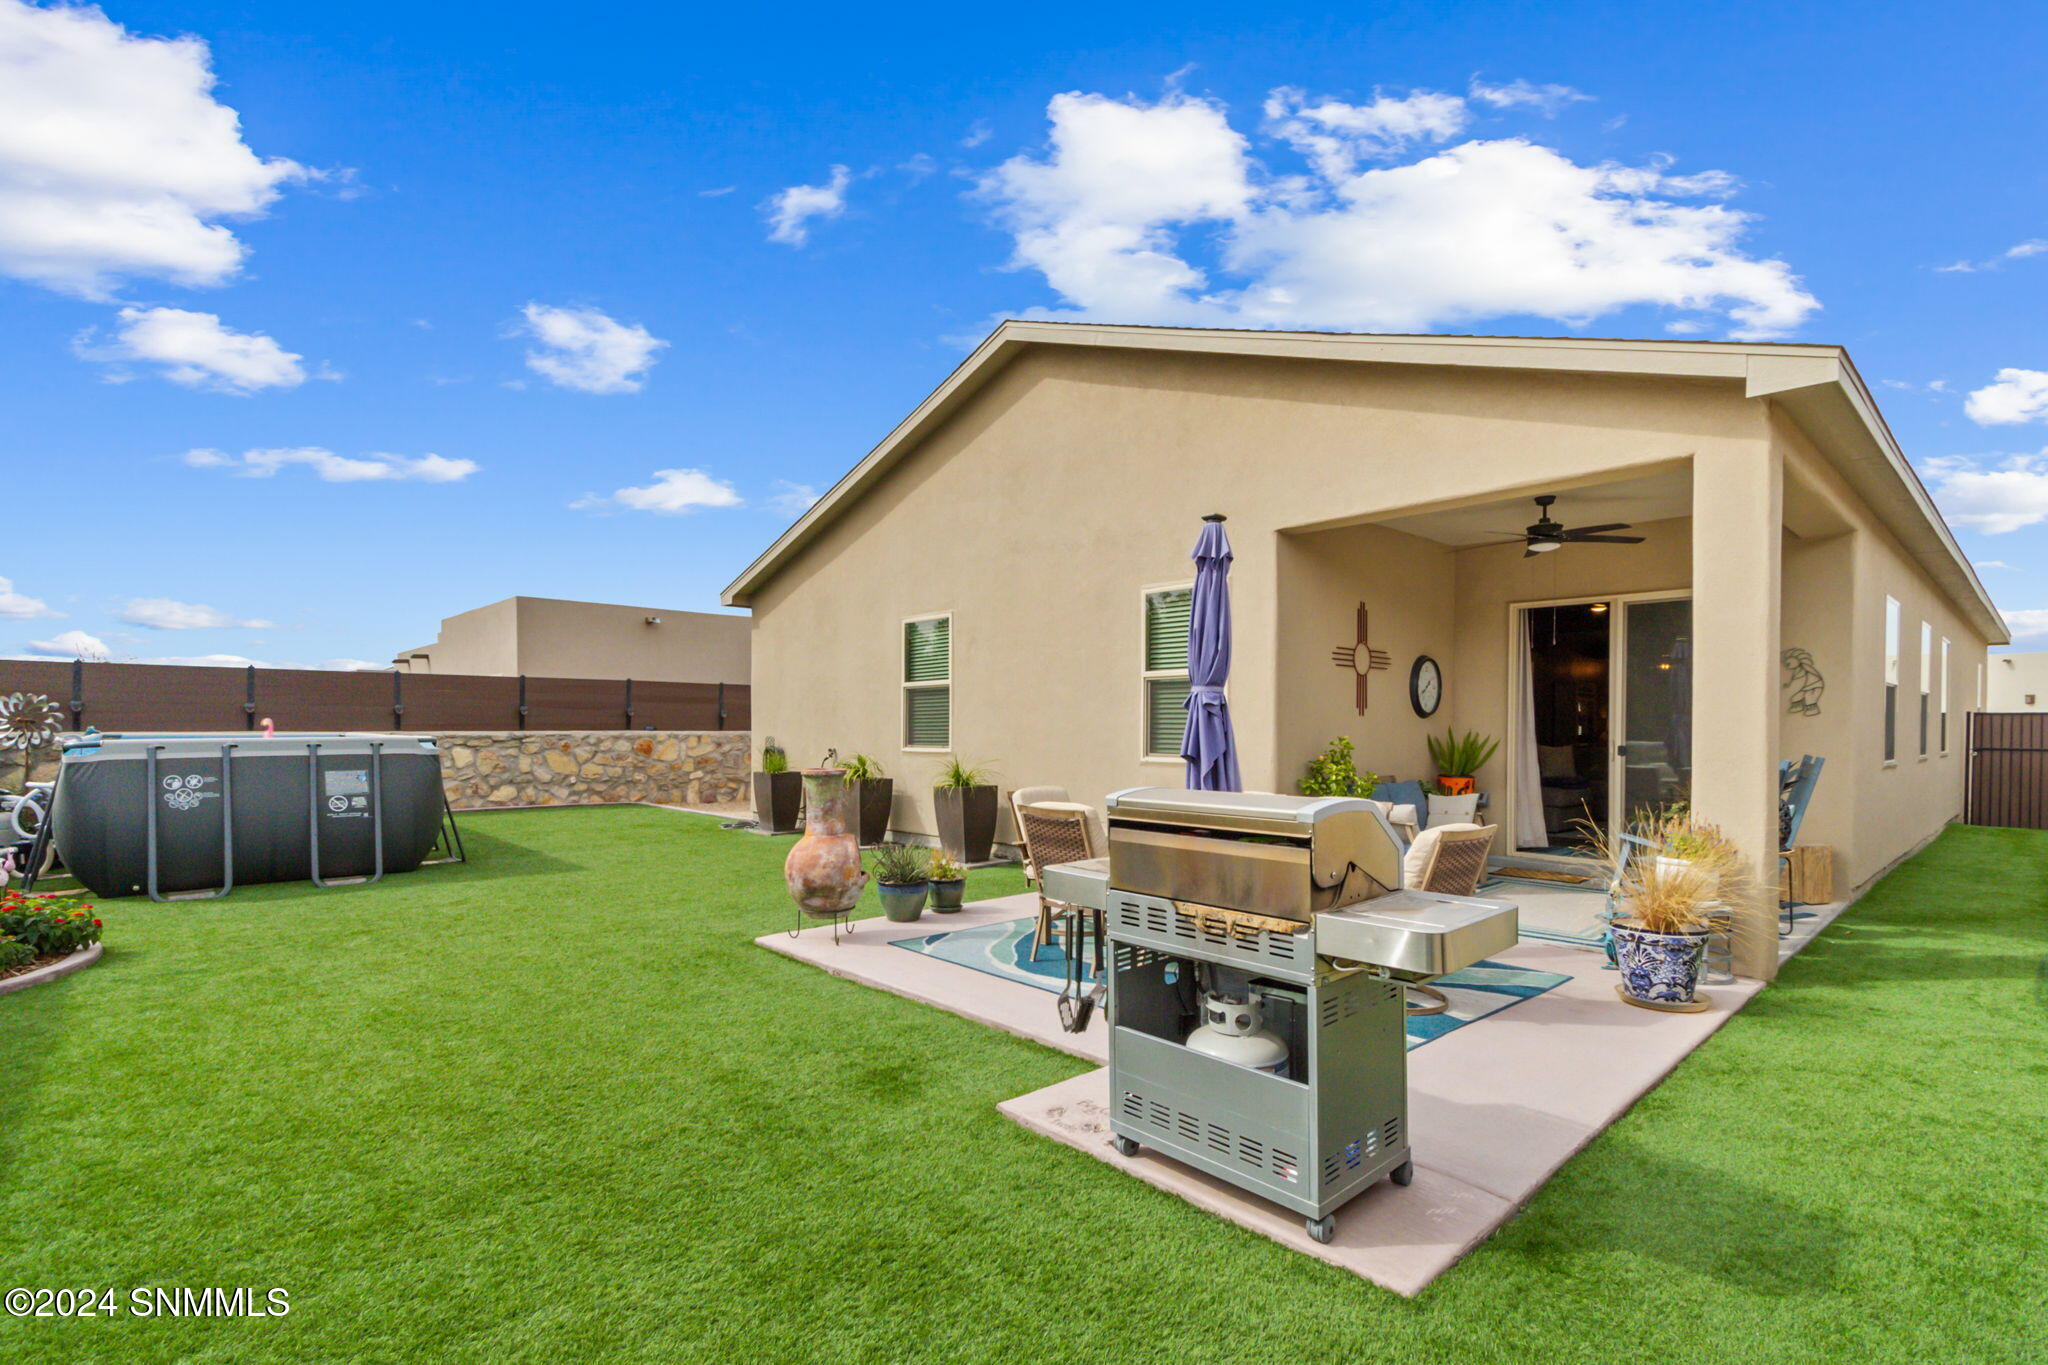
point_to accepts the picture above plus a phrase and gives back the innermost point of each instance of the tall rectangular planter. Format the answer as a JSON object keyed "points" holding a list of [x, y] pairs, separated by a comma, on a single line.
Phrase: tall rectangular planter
{"points": [[777, 798], [875, 798], [967, 822]]}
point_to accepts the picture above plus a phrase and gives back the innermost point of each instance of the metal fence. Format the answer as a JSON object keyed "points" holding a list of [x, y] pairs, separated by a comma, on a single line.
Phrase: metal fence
{"points": [[133, 697], [2009, 769]]}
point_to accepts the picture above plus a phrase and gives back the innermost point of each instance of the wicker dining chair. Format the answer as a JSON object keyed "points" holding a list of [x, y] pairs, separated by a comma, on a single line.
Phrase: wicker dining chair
{"points": [[1054, 832], [1453, 864], [1020, 797], [1457, 863]]}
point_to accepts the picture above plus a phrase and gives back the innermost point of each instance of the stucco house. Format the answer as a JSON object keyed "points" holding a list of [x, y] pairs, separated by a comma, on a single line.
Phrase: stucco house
{"points": [[553, 637], [999, 578]]}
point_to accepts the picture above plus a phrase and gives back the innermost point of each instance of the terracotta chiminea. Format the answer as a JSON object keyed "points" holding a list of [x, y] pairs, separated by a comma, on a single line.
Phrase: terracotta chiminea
{"points": [[823, 870]]}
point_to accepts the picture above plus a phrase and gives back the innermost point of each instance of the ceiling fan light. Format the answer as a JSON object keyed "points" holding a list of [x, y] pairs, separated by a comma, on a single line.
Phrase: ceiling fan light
{"points": [[1537, 547]]}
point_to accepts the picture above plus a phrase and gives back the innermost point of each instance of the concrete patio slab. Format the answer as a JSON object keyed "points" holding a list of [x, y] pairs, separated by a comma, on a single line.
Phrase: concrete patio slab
{"points": [[865, 955], [1495, 1107], [1400, 1239]]}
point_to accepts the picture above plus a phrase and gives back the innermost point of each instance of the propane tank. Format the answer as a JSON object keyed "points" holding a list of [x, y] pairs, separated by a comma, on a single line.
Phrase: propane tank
{"points": [[1233, 1030]]}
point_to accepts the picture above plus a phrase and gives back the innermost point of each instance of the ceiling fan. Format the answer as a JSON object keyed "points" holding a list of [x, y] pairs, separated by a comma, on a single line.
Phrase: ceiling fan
{"points": [[1547, 534]]}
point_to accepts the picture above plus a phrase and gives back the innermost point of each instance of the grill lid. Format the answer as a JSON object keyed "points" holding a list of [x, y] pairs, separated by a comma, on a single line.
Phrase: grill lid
{"points": [[1250, 812]]}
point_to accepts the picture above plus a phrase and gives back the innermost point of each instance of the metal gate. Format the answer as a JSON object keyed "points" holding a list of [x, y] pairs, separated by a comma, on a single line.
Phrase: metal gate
{"points": [[2009, 769]]}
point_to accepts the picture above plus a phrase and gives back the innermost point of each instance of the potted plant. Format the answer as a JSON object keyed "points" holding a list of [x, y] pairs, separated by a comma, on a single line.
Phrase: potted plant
{"points": [[966, 801], [1459, 758], [903, 873], [1660, 933], [1334, 772], [778, 792], [949, 884], [873, 797]]}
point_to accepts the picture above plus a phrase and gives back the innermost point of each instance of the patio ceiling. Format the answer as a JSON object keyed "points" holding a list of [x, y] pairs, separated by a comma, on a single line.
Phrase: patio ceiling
{"points": [[1652, 497]]}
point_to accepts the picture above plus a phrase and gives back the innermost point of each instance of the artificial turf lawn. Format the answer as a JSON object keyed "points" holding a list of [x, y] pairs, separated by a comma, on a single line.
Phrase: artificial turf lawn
{"points": [[555, 1106]]}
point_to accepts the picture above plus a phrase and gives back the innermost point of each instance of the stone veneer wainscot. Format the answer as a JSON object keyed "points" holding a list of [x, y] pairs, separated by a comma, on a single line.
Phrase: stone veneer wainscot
{"points": [[590, 767]]}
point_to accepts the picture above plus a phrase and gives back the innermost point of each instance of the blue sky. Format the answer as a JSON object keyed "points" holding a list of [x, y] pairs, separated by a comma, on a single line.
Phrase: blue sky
{"points": [[463, 280]]}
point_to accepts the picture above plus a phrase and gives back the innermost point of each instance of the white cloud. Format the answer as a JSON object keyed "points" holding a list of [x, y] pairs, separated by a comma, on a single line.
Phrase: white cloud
{"points": [[586, 350], [790, 211], [1128, 192], [195, 350], [115, 158], [1996, 500], [18, 606], [2033, 246], [2013, 396], [718, 193], [673, 491], [1547, 100], [332, 468], [1992, 564], [793, 498], [162, 613], [1335, 135], [72, 644], [981, 132], [2028, 623]]}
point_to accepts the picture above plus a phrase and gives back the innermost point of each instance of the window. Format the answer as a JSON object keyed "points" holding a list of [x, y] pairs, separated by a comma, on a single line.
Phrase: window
{"points": [[928, 683], [1926, 680], [1944, 694], [1891, 679], [1166, 670]]}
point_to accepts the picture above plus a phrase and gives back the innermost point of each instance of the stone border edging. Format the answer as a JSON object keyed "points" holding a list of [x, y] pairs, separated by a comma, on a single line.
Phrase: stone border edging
{"points": [[63, 966]]}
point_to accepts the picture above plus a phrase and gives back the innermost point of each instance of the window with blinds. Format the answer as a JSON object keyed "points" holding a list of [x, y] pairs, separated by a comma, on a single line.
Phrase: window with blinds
{"points": [[1891, 679], [1166, 670], [928, 683]]}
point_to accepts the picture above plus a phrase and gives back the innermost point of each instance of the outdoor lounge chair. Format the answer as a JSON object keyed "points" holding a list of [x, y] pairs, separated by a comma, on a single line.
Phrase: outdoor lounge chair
{"points": [[1796, 781]]}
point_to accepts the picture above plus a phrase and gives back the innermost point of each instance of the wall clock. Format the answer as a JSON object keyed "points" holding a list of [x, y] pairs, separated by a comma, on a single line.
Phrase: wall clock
{"points": [[1425, 686]]}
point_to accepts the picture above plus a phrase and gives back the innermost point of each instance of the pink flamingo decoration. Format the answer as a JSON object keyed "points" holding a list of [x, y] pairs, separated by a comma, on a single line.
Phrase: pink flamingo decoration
{"points": [[269, 728]]}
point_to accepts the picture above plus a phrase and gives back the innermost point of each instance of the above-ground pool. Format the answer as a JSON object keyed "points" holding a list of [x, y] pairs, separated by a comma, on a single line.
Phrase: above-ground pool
{"points": [[236, 809]]}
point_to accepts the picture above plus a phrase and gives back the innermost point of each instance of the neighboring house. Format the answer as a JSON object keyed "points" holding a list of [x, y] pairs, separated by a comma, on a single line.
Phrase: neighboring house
{"points": [[1003, 578], [2017, 682], [546, 637]]}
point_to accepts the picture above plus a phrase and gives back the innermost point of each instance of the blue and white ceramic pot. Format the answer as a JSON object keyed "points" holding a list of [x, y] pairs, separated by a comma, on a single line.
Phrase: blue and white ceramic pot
{"points": [[1658, 969]]}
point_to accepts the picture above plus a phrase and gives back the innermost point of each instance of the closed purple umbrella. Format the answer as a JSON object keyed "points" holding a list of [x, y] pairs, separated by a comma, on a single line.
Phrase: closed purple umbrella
{"points": [[1208, 744]]}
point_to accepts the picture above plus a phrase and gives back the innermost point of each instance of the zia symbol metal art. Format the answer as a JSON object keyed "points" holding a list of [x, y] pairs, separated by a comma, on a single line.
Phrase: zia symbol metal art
{"points": [[1361, 658]]}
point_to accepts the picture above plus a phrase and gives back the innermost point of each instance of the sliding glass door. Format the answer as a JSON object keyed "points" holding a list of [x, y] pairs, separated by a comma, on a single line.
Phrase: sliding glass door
{"points": [[1602, 720], [1653, 749]]}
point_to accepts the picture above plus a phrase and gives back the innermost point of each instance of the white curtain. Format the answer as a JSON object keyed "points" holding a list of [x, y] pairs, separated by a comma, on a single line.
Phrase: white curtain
{"points": [[1530, 831]]}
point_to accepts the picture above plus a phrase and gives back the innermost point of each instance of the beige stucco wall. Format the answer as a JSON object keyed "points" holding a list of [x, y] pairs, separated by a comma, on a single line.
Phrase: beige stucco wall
{"points": [[1409, 586], [1040, 513], [1870, 811], [547, 637], [2010, 679]]}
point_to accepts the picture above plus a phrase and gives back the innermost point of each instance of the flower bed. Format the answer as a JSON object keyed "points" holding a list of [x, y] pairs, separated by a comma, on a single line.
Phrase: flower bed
{"points": [[39, 931]]}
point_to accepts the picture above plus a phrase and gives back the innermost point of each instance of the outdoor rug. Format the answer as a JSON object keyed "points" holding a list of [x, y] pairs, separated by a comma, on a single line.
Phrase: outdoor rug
{"points": [[1005, 950]]}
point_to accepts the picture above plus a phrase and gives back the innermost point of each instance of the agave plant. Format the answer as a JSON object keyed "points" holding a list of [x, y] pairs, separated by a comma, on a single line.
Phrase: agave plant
{"points": [[900, 864], [1457, 755]]}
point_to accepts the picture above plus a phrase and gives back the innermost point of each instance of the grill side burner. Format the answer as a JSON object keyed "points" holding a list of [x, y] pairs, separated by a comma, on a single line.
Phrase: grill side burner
{"points": [[1299, 900]]}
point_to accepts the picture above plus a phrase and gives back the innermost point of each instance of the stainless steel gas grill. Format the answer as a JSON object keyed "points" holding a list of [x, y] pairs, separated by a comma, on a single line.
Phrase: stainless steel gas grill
{"points": [[1258, 947]]}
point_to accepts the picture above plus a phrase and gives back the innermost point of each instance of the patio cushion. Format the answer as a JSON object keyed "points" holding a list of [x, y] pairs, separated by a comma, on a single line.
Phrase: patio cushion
{"points": [[1402, 794]]}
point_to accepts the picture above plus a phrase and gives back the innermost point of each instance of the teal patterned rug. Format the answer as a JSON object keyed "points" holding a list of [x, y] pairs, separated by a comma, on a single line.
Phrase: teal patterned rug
{"points": [[1008, 950]]}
